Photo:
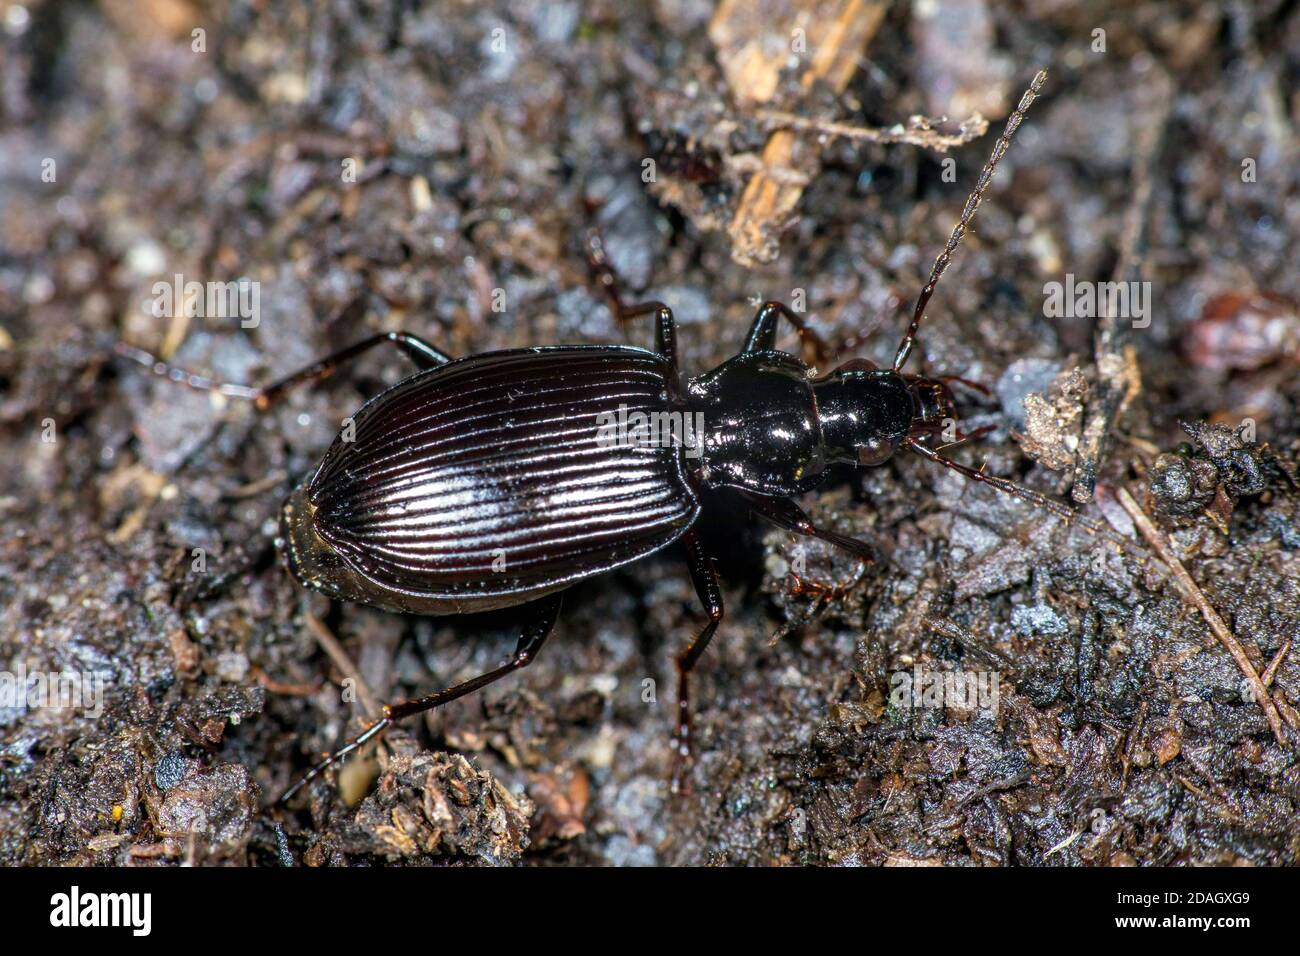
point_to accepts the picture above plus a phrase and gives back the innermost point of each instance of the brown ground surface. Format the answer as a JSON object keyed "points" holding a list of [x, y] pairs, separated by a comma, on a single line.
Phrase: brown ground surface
{"points": [[1122, 733]]}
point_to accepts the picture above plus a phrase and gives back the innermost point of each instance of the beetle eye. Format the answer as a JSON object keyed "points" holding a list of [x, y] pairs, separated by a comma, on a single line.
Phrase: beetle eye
{"points": [[875, 453]]}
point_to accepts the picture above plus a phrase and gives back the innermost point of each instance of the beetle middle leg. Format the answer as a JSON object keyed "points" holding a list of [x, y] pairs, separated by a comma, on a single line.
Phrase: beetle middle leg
{"points": [[607, 279], [705, 578], [762, 334], [665, 327], [530, 642], [423, 353]]}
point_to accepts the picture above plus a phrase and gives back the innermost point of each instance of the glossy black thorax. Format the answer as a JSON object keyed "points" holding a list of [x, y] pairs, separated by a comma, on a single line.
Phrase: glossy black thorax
{"points": [[772, 427], [760, 424]]}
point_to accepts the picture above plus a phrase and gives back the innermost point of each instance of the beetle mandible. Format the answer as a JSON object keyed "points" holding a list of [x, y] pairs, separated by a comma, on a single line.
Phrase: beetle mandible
{"points": [[489, 481]]}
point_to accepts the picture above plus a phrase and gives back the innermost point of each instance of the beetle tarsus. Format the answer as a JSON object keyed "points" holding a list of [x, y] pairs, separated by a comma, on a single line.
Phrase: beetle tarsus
{"points": [[367, 735], [603, 272], [608, 281]]}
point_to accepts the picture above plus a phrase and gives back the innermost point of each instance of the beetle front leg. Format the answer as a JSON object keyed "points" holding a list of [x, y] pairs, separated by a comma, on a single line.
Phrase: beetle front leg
{"points": [[705, 579], [788, 515], [530, 642]]}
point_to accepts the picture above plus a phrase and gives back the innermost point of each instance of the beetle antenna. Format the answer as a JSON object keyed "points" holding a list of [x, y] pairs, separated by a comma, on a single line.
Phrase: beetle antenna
{"points": [[1068, 514], [967, 214]]}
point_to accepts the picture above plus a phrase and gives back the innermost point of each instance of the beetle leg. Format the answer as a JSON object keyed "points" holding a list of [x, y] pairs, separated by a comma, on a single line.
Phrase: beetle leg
{"points": [[422, 353], [788, 515], [705, 578], [535, 634], [607, 279], [665, 327], [762, 334], [603, 270]]}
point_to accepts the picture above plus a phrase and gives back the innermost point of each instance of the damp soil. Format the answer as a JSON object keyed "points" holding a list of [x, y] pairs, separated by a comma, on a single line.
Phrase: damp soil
{"points": [[435, 168]]}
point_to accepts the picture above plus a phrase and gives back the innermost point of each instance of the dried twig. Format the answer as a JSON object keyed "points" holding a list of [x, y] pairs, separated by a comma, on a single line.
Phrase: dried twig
{"points": [[334, 650], [1194, 593], [924, 135], [1225, 813], [1117, 377], [1271, 671]]}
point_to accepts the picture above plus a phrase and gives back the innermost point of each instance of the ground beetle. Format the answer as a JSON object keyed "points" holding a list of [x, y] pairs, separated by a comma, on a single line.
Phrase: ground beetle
{"points": [[489, 481]]}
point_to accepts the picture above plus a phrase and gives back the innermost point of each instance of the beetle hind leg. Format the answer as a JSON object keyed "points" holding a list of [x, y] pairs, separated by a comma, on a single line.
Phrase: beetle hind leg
{"points": [[530, 642]]}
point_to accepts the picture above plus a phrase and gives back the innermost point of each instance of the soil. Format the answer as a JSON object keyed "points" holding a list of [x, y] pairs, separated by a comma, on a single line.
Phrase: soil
{"points": [[436, 168]]}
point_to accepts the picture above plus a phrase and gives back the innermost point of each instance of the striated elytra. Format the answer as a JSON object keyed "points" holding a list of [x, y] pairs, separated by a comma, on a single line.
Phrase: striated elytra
{"points": [[486, 482]]}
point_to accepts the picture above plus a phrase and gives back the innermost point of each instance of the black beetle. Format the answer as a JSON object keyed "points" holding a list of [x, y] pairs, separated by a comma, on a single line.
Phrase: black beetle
{"points": [[495, 480]]}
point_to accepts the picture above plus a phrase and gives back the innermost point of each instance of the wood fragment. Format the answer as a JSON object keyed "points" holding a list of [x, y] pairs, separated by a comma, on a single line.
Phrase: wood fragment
{"points": [[753, 73], [152, 20], [1289, 713], [1224, 813], [1064, 843], [1194, 593], [1271, 671], [1131, 741]]}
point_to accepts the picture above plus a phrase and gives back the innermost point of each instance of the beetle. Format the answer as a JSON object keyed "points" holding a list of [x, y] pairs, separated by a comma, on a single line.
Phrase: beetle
{"points": [[490, 481]]}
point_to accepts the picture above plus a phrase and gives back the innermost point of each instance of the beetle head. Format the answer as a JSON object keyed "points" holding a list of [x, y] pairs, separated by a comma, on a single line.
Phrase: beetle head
{"points": [[933, 403], [865, 413]]}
